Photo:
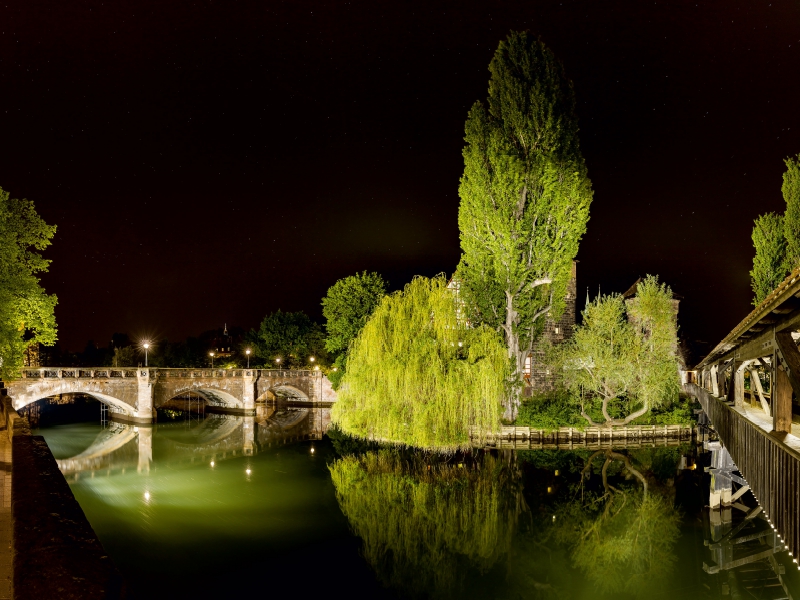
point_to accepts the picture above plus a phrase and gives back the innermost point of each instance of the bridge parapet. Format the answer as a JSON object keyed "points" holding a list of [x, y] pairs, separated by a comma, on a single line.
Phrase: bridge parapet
{"points": [[109, 372]]}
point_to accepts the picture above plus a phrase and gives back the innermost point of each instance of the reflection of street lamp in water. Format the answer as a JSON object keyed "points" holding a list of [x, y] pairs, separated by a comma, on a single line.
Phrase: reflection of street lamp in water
{"points": [[211, 354], [145, 346], [248, 357]]}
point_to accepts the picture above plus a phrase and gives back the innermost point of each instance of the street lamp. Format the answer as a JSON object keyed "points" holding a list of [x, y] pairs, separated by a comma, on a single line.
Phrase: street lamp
{"points": [[311, 359], [211, 354], [278, 361], [248, 357], [145, 346]]}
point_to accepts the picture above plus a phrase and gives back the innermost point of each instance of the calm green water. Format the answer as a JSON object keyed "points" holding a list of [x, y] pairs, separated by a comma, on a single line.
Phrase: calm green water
{"points": [[277, 514]]}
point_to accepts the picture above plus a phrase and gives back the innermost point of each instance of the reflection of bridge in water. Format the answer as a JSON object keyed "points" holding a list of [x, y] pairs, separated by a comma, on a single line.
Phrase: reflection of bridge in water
{"points": [[217, 437]]}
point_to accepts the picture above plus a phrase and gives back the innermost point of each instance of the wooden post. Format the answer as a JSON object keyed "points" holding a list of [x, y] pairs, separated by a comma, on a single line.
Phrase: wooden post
{"points": [[782, 402], [738, 394]]}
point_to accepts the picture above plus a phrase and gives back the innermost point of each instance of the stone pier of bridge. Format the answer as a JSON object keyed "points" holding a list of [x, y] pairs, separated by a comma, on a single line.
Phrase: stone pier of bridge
{"points": [[133, 395]]}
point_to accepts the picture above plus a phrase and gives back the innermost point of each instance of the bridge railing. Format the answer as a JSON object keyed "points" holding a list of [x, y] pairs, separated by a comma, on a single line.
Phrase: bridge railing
{"points": [[771, 468], [112, 372]]}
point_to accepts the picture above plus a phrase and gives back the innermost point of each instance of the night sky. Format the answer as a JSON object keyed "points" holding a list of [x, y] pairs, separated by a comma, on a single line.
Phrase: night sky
{"points": [[210, 162]]}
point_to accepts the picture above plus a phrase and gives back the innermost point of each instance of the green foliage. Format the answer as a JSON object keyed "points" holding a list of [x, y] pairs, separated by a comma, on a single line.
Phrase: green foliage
{"points": [[770, 264], [347, 306], [525, 196], [624, 366], [549, 412], [425, 523], [291, 337], [124, 357], [345, 444], [337, 371], [415, 377], [26, 312], [791, 220]]}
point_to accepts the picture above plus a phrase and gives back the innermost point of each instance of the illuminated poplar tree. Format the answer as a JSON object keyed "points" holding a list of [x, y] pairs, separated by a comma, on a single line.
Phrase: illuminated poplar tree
{"points": [[770, 263], [791, 220], [525, 197]]}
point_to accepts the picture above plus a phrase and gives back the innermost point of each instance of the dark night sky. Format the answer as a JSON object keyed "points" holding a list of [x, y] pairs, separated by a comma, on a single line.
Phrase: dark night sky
{"points": [[215, 161]]}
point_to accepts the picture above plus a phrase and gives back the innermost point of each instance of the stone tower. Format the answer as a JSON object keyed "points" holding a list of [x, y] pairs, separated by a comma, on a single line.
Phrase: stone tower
{"points": [[537, 375]]}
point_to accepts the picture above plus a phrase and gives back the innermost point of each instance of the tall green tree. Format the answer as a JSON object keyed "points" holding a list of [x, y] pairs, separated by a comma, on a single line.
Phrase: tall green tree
{"points": [[622, 360], [346, 308], [770, 263], [525, 197], [291, 337], [791, 219], [26, 311]]}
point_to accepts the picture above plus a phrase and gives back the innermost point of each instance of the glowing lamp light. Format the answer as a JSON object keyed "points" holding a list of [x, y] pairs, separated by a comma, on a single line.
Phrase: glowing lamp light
{"points": [[312, 449], [147, 495], [335, 369], [311, 359], [247, 471], [549, 490], [556, 472], [212, 463], [277, 360], [316, 368]]}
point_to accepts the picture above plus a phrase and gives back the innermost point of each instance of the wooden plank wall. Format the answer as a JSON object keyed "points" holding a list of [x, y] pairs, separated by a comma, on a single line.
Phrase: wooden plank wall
{"points": [[523, 438], [770, 467]]}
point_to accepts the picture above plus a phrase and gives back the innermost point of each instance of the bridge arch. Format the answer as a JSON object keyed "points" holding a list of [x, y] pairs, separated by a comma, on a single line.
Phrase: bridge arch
{"points": [[214, 397], [284, 391], [114, 404]]}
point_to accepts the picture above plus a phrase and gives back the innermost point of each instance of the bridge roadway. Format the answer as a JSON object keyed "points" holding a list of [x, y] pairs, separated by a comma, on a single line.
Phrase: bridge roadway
{"points": [[758, 426], [133, 395]]}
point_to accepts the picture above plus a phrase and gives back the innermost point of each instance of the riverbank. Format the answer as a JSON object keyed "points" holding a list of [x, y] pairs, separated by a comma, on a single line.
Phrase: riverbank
{"points": [[48, 549]]}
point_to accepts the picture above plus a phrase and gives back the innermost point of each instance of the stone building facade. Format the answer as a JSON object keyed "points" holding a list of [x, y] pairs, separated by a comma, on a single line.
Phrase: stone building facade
{"points": [[538, 377]]}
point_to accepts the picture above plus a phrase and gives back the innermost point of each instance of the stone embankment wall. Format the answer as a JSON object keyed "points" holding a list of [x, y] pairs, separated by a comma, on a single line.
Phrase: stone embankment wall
{"points": [[56, 553]]}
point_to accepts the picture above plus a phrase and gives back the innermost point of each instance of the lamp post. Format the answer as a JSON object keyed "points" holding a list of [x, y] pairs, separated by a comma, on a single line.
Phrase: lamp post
{"points": [[248, 357], [277, 361], [211, 354], [145, 346]]}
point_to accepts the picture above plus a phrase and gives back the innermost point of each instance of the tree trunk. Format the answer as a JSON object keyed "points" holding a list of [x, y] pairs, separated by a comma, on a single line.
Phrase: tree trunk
{"points": [[515, 353]]}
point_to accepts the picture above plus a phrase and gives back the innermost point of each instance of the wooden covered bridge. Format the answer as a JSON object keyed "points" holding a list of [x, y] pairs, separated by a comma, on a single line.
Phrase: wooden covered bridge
{"points": [[748, 386]]}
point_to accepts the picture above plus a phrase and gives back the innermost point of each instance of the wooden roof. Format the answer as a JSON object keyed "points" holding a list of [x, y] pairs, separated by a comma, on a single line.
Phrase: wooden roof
{"points": [[781, 301]]}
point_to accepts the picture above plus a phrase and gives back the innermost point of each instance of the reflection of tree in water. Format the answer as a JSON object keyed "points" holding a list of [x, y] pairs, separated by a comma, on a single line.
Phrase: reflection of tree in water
{"points": [[622, 536], [425, 523]]}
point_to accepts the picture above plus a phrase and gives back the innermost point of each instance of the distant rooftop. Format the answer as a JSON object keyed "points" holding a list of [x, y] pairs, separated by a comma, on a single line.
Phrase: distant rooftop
{"points": [[635, 288]]}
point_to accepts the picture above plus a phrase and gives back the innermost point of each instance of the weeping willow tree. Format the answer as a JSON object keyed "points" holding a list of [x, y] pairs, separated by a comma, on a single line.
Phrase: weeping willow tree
{"points": [[417, 377], [425, 523]]}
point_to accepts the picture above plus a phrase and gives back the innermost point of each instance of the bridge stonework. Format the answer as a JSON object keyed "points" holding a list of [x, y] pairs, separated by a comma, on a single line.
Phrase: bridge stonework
{"points": [[133, 395]]}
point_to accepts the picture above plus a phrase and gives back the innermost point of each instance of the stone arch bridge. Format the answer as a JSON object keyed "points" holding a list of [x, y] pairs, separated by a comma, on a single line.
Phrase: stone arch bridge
{"points": [[133, 395]]}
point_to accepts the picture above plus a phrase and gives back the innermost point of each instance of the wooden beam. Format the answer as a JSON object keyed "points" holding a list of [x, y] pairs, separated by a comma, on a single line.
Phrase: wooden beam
{"points": [[754, 377], [791, 355]]}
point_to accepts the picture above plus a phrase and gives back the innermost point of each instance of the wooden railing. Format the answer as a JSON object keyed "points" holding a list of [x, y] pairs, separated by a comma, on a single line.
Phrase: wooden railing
{"points": [[770, 467]]}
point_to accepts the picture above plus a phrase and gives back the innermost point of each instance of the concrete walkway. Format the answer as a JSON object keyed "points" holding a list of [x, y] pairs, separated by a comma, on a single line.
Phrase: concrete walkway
{"points": [[6, 525]]}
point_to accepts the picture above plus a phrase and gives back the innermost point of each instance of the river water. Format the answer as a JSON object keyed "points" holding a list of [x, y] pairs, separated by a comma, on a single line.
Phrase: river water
{"points": [[216, 507]]}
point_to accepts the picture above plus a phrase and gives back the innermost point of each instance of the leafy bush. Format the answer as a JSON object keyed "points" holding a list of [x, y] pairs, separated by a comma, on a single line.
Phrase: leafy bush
{"points": [[549, 412]]}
